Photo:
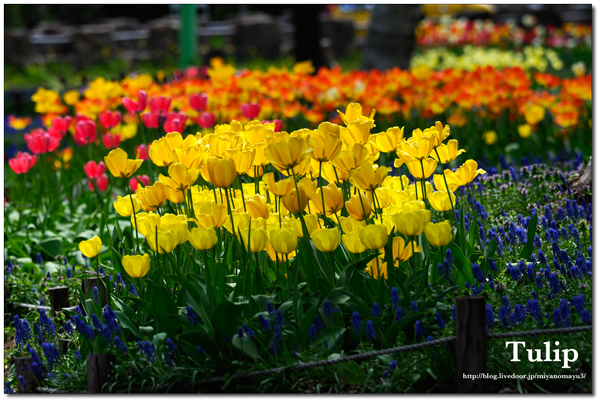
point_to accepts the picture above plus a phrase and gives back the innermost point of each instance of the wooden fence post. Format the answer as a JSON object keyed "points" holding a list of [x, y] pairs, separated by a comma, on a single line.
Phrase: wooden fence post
{"points": [[27, 373], [471, 344], [64, 346], [89, 283], [59, 298], [98, 366]]}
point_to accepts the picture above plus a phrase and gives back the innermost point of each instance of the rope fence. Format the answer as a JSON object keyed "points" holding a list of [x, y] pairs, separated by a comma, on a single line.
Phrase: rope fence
{"points": [[471, 351]]}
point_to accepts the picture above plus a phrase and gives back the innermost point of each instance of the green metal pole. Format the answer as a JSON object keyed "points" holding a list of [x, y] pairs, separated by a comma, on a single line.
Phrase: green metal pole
{"points": [[188, 43]]}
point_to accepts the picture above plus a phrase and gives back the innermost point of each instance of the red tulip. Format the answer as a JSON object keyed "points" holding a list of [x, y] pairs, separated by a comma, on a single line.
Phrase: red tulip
{"points": [[150, 120], [141, 151], [62, 124], [206, 120], [100, 182], [250, 110], [142, 100], [130, 105], [22, 163], [160, 104], [134, 181], [93, 169], [110, 119], [277, 124], [85, 132], [55, 133], [41, 142], [175, 122], [111, 141], [198, 101]]}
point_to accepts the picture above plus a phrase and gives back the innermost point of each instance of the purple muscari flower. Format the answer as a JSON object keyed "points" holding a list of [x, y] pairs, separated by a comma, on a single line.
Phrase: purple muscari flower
{"points": [[454, 312], [327, 307], [110, 318], [398, 316], [548, 213], [533, 308], [554, 284], [317, 323], [273, 347], [120, 280], [22, 337], [249, 332], [513, 174], [560, 214], [586, 317], [537, 242], [541, 257], [69, 328], [413, 306], [356, 323], [393, 365], [270, 308], [120, 345], [8, 389], [370, 331], [395, 298], [565, 309], [376, 311], [47, 325], [477, 273], [69, 274], [149, 350], [39, 259], [200, 350], [279, 318], [51, 353], [504, 315], [312, 334], [429, 338], [191, 315], [556, 318], [475, 289], [96, 296], [172, 349], [514, 272], [493, 265], [579, 303], [419, 329], [439, 321], [264, 323], [77, 356], [489, 316], [449, 257], [132, 289]]}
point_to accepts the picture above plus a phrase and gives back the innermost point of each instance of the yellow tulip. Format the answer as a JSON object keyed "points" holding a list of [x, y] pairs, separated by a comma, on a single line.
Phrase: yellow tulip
{"points": [[440, 200], [311, 221], [350, 225], [439, 133], [412, 223], [173, 140], [402, 250], [326, 239], [377, 268], [331, 173], [465, 173], [355, 207], [280, 188], [416, 149], [119, 165], [146, 222], [123, 205], [284, 240], [490, 137], [257, 207], [152, 197], [287, 155], [439, 234], [353, 112], [373, 236], [333, 197], [524, 131], [136, 265], [440, 185], [357, 132], [91, 247], [258, 239], [447, 152], [243, 159], [348, 160], [366, 178], [190, 157], [203, 238], [181, 178], [325, 146], [353, 243], [167, 240], [416, 169], [160, 153], [221, 172], [309, 186], [174, 195], [240, 221], [290, 201], [388, 141]]}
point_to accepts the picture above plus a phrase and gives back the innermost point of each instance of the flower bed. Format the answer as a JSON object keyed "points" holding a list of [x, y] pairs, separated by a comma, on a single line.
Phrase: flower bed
{"points": [[230, 245]]}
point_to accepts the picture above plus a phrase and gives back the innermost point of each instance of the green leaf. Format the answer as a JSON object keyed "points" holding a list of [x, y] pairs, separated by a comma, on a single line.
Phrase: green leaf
{"points": [[463, 265], [52, 246], [226, 318], [126, 323], [490, 250], [247, 345], [528, 248]]}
